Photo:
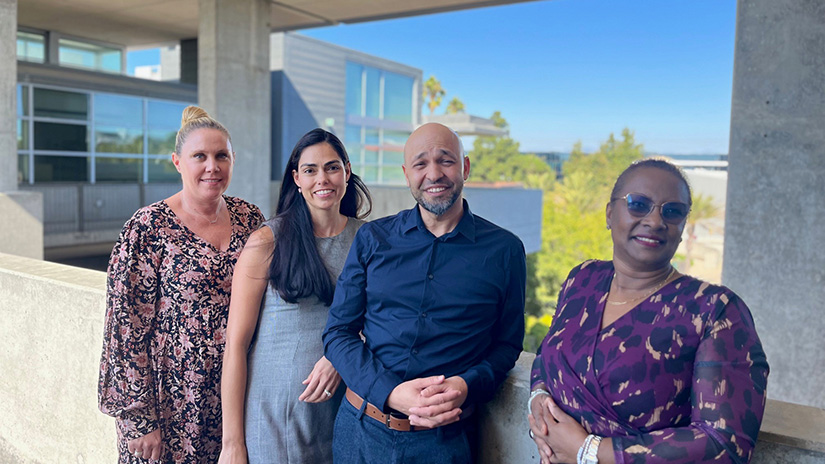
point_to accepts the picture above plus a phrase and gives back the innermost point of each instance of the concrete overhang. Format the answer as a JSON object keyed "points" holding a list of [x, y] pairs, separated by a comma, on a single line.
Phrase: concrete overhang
{"points": [[465, 124], [136, 23]]}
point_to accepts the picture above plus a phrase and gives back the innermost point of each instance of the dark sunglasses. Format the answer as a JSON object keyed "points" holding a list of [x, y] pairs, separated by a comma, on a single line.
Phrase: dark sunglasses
{"points": [[640, 206]]}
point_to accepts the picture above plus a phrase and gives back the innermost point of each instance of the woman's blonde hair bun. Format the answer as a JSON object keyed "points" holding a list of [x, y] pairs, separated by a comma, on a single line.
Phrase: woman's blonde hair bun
{"points": [[192, 113], [194, 118]]}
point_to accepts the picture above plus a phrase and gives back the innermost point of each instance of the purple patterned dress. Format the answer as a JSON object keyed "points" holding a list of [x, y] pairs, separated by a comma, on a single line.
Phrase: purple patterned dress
{"points": [[680, 378], [166, 308]]}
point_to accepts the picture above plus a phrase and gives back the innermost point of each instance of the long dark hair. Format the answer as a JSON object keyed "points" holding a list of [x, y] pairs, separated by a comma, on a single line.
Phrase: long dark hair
{"points": [[297, 270]]}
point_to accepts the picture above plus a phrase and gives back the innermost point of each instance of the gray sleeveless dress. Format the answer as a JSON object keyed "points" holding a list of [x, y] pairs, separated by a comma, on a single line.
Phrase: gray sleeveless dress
{"points": [[286, 346]]}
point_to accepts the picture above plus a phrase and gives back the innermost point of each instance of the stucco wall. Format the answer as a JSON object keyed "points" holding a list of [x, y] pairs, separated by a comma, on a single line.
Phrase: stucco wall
{"points": [[52, 331], [21, 228]]}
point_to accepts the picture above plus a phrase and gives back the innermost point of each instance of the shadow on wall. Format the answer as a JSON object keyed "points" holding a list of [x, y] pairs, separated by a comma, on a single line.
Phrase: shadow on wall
{"points": [[291, 119]]}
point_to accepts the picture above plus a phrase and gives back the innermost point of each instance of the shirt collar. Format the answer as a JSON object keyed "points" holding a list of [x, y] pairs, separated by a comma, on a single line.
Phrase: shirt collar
{"points": [[466, 226]]}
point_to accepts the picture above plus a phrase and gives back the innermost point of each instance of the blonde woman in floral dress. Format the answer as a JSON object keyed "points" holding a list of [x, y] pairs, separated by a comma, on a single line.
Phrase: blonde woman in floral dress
{"points": [[167, 301]]}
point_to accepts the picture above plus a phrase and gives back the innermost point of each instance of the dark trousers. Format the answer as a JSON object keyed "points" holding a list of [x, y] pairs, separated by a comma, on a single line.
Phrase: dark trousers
{"points": [[360, 439]]}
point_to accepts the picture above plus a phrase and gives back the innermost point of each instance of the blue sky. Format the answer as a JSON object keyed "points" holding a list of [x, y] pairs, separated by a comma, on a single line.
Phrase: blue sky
{"points": [[562, 71]]}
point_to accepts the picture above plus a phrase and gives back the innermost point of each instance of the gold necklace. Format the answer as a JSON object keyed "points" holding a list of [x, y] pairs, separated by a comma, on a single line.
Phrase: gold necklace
{"points": [[656, 289]]}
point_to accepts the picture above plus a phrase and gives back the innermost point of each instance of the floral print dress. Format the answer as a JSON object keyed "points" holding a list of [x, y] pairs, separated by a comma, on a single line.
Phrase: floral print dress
{"points": [[166, 309], [680, 378]]}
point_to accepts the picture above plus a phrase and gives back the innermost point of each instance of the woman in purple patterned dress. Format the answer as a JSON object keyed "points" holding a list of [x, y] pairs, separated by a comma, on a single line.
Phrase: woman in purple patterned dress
{"points": [[641, 363], [166, 306]]}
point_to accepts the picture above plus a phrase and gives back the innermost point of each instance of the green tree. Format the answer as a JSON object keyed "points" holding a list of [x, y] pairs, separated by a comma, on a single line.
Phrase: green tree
{"points": [[433, 93], [455, 106], [573, 217], [498, 159]]}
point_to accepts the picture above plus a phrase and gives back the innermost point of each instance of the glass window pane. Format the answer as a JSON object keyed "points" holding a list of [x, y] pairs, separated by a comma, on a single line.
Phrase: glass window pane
{"points": [[90, 56], [61, 168], [398, 105], [371, 137], [63, 137], [22, 100], [371, 146], [22, 168], [118, 140], [50, 103], [354, 96], [165, 115], [162, 170], [392, 175], [115, 110], [393, 158], [31, 47], [110, 60], [119, 169], [161, 142], [373, 92], [22, 134], [352, 141], [395, 140], [369, 174]]}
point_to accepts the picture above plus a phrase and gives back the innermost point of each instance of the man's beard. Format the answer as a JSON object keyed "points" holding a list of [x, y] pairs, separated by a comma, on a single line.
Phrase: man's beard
{"points": [[439, 207]]}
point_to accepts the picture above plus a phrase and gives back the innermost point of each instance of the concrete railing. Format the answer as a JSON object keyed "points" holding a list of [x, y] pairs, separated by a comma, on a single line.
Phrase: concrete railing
{"points": [[51, 331]]}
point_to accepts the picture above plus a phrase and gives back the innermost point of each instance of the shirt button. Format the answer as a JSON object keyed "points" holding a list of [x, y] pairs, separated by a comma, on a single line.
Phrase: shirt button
{"points": [[424, 315], [430, 277], [415, 351]]}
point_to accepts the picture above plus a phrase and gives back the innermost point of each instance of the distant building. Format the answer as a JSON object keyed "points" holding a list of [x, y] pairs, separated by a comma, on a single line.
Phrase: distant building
{"points": [[150, 71], [555, 159], [710, 162]]}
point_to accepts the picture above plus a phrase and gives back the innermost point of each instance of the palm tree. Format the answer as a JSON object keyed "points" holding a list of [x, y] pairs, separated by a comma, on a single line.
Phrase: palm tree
{"points": [[455, 106], [433, 92], [702, 209]]}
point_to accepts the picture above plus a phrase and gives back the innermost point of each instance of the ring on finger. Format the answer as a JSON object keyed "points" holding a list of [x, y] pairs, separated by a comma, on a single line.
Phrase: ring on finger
{"points": [[138, 453], [327, 392]]}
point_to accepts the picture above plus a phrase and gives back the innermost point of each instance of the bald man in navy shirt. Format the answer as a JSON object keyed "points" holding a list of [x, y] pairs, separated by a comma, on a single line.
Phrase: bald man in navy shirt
{"points": [[438, 294]]}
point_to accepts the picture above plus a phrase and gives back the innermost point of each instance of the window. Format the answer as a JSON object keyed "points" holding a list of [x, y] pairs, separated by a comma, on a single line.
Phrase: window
{"points": [[162, 170], [31, 47], [79, 136], [60, 137], [60, 104], [380, 116], [118, 124], [61, 168], [90, 56], [118, 169], [164, 122], [398, 102]]}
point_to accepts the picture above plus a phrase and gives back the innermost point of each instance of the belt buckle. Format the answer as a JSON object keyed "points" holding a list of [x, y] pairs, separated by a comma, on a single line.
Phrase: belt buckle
{"points": [[387, 422]]}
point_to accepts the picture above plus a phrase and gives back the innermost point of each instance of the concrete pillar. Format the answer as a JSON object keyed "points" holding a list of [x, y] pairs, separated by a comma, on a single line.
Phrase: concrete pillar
{"points": [[775, 225], [234, 86], [8, 95], [21, 227]]}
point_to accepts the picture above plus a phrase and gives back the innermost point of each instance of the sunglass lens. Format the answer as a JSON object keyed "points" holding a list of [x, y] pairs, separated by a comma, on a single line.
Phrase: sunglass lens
{"points": [[639, 205], [674, 211]]}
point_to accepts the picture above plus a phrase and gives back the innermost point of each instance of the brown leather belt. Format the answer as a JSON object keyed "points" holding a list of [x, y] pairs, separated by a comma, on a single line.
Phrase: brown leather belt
{"points": [[392, 422]]}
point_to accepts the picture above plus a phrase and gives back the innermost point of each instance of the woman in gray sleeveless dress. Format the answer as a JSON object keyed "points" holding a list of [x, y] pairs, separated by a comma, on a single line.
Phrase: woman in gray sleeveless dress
{"points": [[279, 393]]}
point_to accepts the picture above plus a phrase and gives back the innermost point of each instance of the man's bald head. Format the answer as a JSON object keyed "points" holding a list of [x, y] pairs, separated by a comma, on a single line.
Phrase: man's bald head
{"points": [[435, 168]]}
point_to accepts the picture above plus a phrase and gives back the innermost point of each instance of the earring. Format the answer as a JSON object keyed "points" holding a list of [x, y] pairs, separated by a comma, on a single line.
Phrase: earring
{"points": [[299, 189], [607, 227]]}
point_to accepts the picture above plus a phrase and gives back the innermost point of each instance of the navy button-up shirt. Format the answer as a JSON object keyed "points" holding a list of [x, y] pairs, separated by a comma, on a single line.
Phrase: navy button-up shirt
{"points": [[426, 305]]}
